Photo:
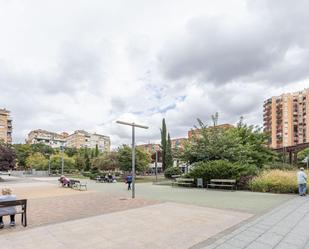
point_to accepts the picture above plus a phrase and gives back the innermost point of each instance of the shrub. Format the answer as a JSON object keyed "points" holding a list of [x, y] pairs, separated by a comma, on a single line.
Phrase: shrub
{"points": [[221, 169], [275, 181], [279, 165], [172, 171]]}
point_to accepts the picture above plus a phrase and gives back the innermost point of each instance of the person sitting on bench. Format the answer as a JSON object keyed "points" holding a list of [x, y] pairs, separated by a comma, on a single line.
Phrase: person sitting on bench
{"points": [[65, 181], [7, 196]]}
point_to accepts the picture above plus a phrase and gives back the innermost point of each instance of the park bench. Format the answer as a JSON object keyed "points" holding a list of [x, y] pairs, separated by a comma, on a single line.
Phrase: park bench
{"points": [[75, 184], [226, 183], [16, 203], [186, 182]]}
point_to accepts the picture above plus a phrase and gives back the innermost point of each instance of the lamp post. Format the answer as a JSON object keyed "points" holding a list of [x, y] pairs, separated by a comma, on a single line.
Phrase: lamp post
{"points": [[62, 160], [156, 166], [133, 125]]}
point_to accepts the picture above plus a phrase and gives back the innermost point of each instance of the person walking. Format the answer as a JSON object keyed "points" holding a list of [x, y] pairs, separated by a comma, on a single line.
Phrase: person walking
{"points": [[302, 182], [129, 181]]}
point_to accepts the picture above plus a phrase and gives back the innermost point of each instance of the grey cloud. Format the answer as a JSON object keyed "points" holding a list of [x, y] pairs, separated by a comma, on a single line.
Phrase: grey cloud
{"points": [[224, 50]]}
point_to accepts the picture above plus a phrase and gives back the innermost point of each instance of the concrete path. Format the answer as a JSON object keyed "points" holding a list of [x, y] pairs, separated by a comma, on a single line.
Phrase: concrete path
{"points": [[165, 225], [285, 227]]}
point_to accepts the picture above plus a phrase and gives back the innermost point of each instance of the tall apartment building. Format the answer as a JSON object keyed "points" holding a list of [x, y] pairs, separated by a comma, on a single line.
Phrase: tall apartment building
{"points": [[5, 126], [83, 139], [52, 139], [285, 119]]}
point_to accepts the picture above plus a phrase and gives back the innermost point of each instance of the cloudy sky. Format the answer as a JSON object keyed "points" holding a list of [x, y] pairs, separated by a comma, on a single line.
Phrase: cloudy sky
{"points": [[82, 64]]}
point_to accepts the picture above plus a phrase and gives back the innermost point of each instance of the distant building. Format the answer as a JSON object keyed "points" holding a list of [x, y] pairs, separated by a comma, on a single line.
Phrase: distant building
{"points": [[178, 143], [52, 139], [151, 148], [286, 120], [83, 139], [5, 126], [197, 132]]}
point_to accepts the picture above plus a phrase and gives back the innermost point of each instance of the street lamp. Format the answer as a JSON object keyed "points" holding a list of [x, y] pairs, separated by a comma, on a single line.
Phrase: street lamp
{"points": [[133, 125], [62, 160]]}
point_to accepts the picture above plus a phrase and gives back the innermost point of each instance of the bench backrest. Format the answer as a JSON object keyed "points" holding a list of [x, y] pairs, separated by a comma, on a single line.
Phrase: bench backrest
{"points": [[185, 179], [21, 202], [223, 180]]}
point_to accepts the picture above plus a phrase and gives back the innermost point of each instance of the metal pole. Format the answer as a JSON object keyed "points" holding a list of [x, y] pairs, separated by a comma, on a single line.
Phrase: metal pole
{"points": [[62, 161], [307, 161], [49, 166], [133, 161], [156, 166]]}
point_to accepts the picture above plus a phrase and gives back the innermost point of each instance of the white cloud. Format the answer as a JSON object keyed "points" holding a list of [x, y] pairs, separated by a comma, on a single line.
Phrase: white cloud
{"points": [[67, 65]]}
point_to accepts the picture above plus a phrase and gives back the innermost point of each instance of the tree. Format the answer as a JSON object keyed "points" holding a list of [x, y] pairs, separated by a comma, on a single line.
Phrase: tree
{"points": [[163, 143], [87, 160], [80, 163], [55, 162], [7, 157], [169, 155], [243, 144], [106, 161], [42, 148], [22, 152], [37, 161], [124, 155], [96, 154]]}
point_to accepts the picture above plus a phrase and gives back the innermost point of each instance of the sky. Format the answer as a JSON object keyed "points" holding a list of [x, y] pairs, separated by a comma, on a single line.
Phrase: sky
{"points": [[83, 64]]}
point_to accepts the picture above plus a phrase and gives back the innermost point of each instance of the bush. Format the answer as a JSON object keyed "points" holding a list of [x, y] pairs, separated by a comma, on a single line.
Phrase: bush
{"points": [[275, 181], [279, 165], [172, 171], [221, 169]]}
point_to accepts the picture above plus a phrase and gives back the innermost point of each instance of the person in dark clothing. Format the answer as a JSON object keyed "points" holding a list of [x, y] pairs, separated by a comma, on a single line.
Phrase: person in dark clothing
{"points": [[129, 181]]}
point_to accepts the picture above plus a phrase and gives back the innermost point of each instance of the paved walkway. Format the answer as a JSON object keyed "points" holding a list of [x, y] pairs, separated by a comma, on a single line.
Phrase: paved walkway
{"points": [[285, 227], [165, 225]]}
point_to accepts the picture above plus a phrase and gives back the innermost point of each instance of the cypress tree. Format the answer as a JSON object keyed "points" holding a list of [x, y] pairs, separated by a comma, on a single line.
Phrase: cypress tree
{"points": [[168, 155]]}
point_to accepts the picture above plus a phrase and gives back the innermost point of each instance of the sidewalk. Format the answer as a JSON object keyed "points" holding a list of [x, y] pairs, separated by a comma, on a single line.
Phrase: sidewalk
{"points": [[285, 227], [165, 225]]}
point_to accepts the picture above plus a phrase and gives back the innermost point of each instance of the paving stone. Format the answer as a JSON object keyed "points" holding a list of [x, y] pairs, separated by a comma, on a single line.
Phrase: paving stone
{"points": [[284, 245], [270, 238], [258, 245]]}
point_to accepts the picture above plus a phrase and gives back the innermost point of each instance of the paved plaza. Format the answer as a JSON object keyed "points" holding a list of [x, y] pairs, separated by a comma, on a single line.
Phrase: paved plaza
{"points": [[160, 217]]}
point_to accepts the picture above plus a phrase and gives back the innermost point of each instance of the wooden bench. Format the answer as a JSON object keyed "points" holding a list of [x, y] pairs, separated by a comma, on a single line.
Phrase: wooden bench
{"points": [[226, 183], [22, 211], [186, 182]]}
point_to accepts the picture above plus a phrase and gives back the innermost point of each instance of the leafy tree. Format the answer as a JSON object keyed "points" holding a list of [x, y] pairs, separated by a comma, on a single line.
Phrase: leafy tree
{"points": [[96, 154], [42, 148], [168, 155], [22, 152], [163, 143], [106, 161], [302, 155], [37, 161], [243, 144], [87, 160], [70, 151], [55, 162], [124, 155], [80, 163], [7, 157]]}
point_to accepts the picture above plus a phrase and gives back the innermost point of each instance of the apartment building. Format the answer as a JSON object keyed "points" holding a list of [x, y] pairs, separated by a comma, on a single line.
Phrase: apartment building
{"points": [[151, 148], [285, 119], [178, 143], [83, 139], [52, 139], [5, 126]]}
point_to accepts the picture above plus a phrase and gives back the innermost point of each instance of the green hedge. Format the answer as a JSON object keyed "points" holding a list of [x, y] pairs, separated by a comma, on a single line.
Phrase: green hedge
{"points": [[172, 171], [221, 169]]}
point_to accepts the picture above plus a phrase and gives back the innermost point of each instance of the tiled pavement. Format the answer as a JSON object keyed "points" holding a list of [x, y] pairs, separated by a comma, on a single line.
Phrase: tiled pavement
{"points": [[285, 227], [166, 225]]}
